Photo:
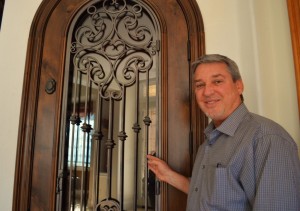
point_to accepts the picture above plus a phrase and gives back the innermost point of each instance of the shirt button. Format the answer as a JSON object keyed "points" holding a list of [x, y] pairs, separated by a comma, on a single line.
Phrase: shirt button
{"points": [[196, 189], [203, 166]]}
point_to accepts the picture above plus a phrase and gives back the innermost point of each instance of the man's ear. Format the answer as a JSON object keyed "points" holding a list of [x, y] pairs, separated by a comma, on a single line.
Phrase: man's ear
{"points": [[240, 86]]}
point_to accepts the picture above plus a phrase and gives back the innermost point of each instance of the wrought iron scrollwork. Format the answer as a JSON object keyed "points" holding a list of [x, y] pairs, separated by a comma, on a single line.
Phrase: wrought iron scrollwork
{"points": [[113, 46], [108, 205]]}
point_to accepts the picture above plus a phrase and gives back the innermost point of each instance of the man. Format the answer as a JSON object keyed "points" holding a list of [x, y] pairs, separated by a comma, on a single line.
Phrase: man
{"points": [[247, 162]]}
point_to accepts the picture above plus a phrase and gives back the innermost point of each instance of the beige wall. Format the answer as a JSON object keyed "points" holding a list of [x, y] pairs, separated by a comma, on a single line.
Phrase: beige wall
{"points": [[15, 27], [254, 33]]}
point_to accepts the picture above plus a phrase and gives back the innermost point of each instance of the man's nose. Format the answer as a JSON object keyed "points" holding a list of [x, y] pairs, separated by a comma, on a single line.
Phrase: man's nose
{"points": [[208, 90]]}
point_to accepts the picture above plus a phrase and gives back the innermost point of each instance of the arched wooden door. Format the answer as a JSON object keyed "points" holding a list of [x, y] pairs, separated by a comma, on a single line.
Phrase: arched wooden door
{"points": [[66, 82]]}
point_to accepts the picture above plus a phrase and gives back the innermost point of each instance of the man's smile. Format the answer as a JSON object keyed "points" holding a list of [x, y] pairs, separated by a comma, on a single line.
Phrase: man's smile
{"points": [[211, 102]]}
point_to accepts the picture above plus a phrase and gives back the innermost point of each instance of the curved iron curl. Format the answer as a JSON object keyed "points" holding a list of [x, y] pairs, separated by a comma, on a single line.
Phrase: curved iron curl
{"points": [[85, 63], [135, 62], [103, 79], [106, 93], [130, 21], [114, 48], [119, 5], [98, 20], [94, 35], [108, 205], [132, 64], [86, 35]]}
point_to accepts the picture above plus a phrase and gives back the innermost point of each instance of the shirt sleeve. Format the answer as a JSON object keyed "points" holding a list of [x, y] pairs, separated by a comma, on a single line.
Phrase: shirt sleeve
{"points": [[277, 174]]}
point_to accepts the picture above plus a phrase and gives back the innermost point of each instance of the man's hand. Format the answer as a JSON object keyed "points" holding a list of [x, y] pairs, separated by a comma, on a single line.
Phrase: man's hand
{"points": [[164, 173], [159, 167]]}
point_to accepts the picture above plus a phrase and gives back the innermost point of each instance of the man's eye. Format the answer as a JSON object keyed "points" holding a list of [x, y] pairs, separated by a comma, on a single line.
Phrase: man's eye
{"points": [[218, 82], [200, 85]]}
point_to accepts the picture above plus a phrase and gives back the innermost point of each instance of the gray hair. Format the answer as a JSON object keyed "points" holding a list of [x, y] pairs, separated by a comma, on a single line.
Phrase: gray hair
{"points": [[232, 67]]}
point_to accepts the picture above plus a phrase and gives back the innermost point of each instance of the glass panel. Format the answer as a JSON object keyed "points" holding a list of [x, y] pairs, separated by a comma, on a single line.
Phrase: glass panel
{"points": [[111, 108]]}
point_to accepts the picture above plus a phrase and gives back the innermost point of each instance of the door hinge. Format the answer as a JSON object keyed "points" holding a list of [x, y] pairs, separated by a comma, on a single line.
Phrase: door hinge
{"points": [[157, 46], [191, 143], [59, 181]]}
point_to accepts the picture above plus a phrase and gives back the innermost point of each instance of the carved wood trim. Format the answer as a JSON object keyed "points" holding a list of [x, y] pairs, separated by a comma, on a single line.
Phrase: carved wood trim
{"points": [[294, 17], [23, 170]]}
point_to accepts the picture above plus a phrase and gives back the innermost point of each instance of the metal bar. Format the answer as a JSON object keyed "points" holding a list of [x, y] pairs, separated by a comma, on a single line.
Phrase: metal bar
{"points": [[146, 144], [122, 137], [95, 173], [85, 128], [86, 171], [77, 137], [136, 129], [100, 145], [110, 144], [71, 166], [72, 140], [74, 121], [97, 137], [88, 109], [75, 167], [82, 174]]}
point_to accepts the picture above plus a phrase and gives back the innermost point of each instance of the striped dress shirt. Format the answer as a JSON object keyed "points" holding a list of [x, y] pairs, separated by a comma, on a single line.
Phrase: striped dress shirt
{"points": [[247, 163]]}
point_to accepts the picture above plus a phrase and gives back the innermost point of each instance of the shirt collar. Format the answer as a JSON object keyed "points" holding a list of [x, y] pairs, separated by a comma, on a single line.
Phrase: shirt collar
{"points": [[230, 124]]}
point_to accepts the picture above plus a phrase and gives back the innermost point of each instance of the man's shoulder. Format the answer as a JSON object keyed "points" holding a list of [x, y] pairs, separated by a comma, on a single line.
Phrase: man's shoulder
{"points": [[266, 127], [264, 122]]}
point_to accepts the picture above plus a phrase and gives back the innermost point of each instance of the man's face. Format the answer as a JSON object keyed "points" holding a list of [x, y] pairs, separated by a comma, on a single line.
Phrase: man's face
{"points": [[216, 93]]}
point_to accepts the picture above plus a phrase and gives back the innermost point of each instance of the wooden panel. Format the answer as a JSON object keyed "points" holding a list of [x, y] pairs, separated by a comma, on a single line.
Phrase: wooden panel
{"points": [[35, 175], [294, 16]]}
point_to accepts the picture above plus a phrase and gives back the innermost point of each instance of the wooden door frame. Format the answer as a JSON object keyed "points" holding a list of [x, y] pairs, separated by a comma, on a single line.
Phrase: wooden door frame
{"points": [[294, 18], [32, 88], [24, 159]]}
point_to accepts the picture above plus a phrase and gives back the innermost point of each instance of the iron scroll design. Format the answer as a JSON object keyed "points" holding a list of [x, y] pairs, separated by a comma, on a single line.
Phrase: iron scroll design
{"points": [[113, 45], [108, 205]]}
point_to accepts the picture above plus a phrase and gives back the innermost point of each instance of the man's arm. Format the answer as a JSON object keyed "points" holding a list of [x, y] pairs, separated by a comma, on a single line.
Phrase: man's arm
{"points": [[278, 175], [164, 173]]}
